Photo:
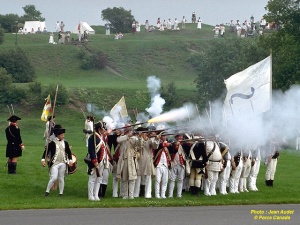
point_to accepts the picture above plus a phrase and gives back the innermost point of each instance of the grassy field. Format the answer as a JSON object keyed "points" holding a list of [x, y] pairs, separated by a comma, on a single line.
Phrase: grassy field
{"points": [[131, 61]]}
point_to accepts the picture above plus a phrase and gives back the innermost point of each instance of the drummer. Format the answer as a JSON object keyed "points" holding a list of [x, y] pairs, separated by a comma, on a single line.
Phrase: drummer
{"points": [[59, 155]]}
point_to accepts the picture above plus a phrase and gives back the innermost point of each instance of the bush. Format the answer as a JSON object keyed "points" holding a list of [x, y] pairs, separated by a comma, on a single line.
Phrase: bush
{"points": [[91, 60], [18, 65], [169, 93], [1, 36]]}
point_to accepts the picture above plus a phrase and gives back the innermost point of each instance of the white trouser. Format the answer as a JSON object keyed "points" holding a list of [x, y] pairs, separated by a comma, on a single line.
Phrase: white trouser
{"points": [[137, 187], [147, 182], [104, 174], [235, 178], [161, 181], [224, 177], [128, 188], [298, 143], [271, 169], [178, 172], [115, 186], [186, 183], [253, 176], [244, 175], [57, 172], [210, 182], [148, 186], [94, 185]]}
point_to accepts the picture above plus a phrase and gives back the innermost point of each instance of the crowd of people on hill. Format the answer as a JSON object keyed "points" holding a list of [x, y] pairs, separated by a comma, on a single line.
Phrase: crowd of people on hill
{"points": [[245, 29]]}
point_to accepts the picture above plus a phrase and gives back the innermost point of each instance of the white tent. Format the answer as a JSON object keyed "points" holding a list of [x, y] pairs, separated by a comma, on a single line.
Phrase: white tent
{"points": [[34, 26], [83, 26]]}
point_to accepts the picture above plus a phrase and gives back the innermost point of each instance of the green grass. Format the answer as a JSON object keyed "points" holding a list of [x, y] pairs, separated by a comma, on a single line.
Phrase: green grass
{"points": [[133, 59]]}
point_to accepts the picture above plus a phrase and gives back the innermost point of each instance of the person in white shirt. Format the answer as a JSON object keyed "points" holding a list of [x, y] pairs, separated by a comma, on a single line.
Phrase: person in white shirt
{"points": [[162, 162]]}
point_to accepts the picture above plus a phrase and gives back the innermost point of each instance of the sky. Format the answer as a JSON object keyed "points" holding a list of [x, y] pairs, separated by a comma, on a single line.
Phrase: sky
{"points": [[212, 12]]}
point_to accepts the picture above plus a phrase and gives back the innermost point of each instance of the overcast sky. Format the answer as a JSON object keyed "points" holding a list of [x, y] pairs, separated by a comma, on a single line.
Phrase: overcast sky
{"points": [[72, 11]]}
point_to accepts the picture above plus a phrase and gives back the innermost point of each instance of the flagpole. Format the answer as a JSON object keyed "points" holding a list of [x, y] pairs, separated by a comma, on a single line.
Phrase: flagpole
{"points": [[48, 136]]}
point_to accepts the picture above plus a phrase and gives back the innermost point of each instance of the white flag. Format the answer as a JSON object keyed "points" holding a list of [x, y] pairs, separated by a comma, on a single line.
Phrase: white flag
{"points": [[119, 109], [249, 91]]}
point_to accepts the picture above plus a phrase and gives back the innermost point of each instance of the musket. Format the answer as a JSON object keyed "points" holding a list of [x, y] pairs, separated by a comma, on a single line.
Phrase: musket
{"points": [[83, 113], [129, 125], [94, 134], [9, 110], [12, 109]]}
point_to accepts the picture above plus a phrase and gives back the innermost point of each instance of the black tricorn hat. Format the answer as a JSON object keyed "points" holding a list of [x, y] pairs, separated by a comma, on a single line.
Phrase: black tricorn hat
{"points": [[100, 124], [58, 129], [13, 118], [141, 129]]}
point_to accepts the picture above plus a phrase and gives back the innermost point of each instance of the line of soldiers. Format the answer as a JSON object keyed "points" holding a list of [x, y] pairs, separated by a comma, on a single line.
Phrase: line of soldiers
{"points": [[194, 161]]}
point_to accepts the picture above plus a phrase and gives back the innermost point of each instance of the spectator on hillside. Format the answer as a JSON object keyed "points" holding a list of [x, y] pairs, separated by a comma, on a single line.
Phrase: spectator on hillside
{"points": [[263, 23], [107, 29], [138, 26], [169, 24], [244, 30], [216, 30], [85, 35], [45, 30], [62, 26], [183, 21], [161, 27], [147, 25], [199, 24], [193, 17], [222, 30], [238, 30], [158, 23], [79, 36], [68, 37], [133, 27], [164, 24], [51, 39], [57, 26], [175, 24], [231, 25], [118, 36]]}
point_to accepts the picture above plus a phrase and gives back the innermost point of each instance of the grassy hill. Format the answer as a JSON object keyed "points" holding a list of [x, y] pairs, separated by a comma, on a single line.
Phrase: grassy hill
{"points": [[131, 60]]}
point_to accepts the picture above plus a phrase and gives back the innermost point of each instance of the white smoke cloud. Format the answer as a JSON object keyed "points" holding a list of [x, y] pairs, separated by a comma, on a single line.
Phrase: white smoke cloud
{"points": [[157, 102]]}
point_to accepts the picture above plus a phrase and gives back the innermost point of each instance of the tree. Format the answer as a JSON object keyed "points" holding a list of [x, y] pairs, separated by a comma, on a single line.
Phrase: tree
{"points": [[1, 36], [32, 14], [18, 65], [285, 43], [221, 60], [169, 93], [8, 22], [119, 19]]}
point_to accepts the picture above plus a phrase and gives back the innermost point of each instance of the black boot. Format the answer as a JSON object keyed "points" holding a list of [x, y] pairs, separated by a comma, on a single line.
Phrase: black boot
{"points": [[9, 169], [13, 167], [142, 191], [103, 190], [100, 191], [267, 183], [197, 191], [192, 190], [271, 183]]}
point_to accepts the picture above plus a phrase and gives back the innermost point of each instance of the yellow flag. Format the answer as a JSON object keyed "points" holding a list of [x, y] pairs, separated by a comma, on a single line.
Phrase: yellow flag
{"points": [[47, 109], [120, 108]]}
